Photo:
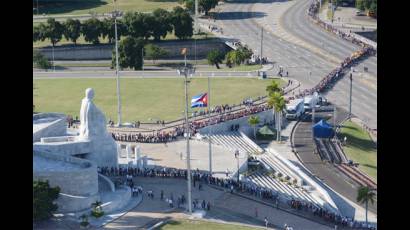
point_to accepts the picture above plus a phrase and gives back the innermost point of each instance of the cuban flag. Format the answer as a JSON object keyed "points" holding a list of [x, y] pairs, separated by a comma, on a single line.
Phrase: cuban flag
{"points": [[200, 100]]}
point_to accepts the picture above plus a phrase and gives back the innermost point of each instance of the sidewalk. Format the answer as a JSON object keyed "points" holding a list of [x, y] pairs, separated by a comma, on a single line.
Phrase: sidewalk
{"points": [[224, 207]]}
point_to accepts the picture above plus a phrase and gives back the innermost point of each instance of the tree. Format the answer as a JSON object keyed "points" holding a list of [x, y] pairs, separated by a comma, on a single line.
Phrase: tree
{"points": [[43, 200], [162, 24], [53, 31], [154, 52], [189, 5], [130, 53], [364, 195], [42, 32], [215, 57], [134, 23], [72, 30], [207, 5], [40, 61], [273, 87], [36, 33], [245, 53], [277, 101], [91, 29], [253, 121], [360, 5], [182, 23], [373, 8]]}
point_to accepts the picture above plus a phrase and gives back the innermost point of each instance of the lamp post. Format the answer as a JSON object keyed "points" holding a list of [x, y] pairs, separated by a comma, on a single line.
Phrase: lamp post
{"points": [[315, 96], [210, 127], [261, 45], [237, 161], [117, 69], [351, 86], [37, 8], [185, 71]]}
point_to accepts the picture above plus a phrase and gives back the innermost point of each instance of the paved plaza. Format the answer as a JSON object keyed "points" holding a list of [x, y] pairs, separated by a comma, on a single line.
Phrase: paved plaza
{"points": [[169, 155]]}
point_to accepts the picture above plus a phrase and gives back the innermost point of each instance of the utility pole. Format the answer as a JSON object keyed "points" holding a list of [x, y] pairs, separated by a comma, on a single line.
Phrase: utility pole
{"points": [[350, 99], [117, 68], [185, 71], [54, 66], [142, 57], [210, 126], [37, 8], [261, 45]]}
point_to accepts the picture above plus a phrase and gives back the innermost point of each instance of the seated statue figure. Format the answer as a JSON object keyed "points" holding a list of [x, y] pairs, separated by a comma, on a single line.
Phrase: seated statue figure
{"points": [[93, 128], [92, 120]]}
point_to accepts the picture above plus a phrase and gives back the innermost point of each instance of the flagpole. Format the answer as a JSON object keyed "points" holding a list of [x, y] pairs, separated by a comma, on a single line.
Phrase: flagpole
{"points": [[210, 126]]}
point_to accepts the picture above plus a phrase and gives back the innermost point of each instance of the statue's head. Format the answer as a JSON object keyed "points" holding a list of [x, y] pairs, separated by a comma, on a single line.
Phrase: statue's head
{"points": [[89, 93]]}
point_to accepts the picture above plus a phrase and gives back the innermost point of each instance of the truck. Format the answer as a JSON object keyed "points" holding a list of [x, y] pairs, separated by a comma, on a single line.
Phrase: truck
{"points": [[294, 109], [310, 101]]}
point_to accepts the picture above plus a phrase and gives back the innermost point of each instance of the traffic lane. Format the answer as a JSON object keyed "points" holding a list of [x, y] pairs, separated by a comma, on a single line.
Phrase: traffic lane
{"points": [[325, 172], [296, 21]]}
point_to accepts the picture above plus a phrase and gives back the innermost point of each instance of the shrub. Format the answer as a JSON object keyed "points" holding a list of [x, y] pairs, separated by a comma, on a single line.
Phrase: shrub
{"points": [[43, 200]]}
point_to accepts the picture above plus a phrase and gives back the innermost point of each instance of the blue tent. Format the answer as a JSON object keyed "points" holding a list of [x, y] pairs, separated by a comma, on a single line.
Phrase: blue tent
{"points": [[322, 129]]}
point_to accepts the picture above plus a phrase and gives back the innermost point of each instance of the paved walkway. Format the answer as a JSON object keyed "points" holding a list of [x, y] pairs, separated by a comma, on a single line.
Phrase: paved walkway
{"points": [[224, 207]]}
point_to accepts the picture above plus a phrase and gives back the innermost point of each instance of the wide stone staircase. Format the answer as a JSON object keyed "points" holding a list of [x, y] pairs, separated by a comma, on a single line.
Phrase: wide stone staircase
{"points": [[277, 167], [234, 140], [287, 191]]}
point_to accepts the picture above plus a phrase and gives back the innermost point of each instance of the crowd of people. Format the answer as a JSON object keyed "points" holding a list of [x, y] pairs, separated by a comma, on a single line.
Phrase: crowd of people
{"points": [[158, 137], [248, 188], [312, 12]]}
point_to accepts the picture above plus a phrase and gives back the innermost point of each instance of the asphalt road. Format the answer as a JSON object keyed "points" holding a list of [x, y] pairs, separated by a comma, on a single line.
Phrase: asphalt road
{"points": [[302, 140], [239, 20]]}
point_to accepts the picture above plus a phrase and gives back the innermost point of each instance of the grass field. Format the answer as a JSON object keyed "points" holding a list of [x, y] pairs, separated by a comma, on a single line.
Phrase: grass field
{"points": [[160, 98], [201, 225], [360, 148], [104, 6]]}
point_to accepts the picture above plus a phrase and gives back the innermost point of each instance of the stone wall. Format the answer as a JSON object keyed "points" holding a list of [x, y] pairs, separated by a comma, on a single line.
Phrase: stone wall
{"points": [[264, 117], [58, 127], [104, 51], [81, 182]]}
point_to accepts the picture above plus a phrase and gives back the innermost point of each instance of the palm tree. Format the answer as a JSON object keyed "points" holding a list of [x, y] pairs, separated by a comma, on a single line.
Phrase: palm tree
{"points": [[273, 87], [97, 205], [277, 101], [364, 195], [253, 121]]}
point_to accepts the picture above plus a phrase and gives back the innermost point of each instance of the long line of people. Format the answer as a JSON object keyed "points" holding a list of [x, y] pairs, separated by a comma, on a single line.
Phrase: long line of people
{"points": [[248, 188], [313, 13], [158, 137]]}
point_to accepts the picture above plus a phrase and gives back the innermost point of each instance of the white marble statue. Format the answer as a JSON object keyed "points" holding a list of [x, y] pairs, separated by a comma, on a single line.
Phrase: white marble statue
{"points": [[93, 128], [92, 120]]}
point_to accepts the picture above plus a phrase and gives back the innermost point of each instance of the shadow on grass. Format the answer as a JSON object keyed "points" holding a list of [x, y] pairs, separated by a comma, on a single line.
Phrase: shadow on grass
{"points": [[370, 166], [162, 0], [363, 144], [67, 6]]}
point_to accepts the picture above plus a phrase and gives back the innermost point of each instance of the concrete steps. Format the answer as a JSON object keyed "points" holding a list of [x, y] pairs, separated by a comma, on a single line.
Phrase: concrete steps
{"points": [[233, 141], [285, 190]]}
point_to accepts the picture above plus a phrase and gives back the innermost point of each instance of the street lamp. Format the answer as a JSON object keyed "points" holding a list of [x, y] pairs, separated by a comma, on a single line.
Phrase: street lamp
{"points": [[237, 161], [351, 86], [315, 96], [210, 126], [185, 71], [115, 14]]}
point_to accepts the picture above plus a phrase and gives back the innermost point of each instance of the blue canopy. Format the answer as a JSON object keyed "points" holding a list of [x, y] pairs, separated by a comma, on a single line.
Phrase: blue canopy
{"points": [[322, 129]]}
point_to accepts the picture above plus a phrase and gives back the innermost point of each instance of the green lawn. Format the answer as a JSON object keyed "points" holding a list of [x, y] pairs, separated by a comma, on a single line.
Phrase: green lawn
{"points": [[360, 148], [104, 6], [161, 98], [201, 225]]}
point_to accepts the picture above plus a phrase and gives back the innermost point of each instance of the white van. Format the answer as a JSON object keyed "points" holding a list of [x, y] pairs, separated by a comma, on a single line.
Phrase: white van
{"points": [[294, 109]]}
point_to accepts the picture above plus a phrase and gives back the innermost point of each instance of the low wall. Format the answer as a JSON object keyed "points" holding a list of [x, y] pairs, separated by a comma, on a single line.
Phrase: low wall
{"points": [[104, 51], [54, 128], [81, 182], [264, 117], [69, 203]]}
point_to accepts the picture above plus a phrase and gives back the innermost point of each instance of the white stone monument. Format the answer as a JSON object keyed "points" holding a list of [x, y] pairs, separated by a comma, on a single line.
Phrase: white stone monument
{"points": [[93, 128]]}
